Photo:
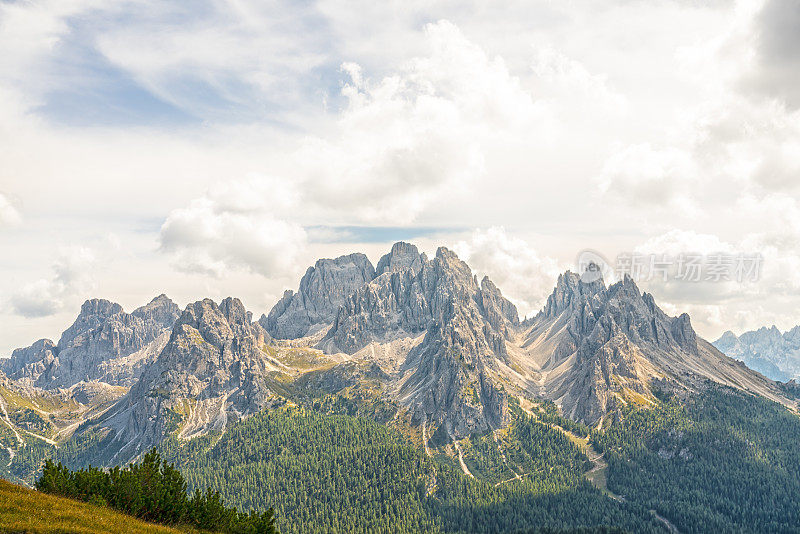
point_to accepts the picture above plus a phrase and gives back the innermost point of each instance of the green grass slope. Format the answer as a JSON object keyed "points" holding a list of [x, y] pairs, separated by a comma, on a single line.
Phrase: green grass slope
{"points": [[27, 511]]}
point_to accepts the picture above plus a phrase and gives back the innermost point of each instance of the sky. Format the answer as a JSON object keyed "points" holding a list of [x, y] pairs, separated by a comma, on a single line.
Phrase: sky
{"points": [[216, 148]]}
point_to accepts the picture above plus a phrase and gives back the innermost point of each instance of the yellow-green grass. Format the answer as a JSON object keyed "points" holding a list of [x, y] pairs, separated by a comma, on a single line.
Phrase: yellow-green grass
{"points": [[27, 511], [37, 402]]}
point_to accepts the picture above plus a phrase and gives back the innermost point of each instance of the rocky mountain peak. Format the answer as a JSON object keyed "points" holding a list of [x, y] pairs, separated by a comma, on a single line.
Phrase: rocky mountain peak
{"points": [[498, 310], [572, 291], [616, 336], [793, 335], [93, 313], [402, 256], [625, 288], [728, 336], [211, 371], [449, 380], [322, 290], [99, 307], [161, 310], [29, 363], [96, 346], [766, 350], [204, 323]]}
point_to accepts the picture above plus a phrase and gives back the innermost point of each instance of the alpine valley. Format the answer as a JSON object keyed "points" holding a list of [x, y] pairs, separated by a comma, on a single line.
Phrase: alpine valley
{"points": [[410, 397]]}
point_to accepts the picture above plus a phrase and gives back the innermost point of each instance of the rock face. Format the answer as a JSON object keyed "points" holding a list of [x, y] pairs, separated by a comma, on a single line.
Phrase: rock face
{"points": [[447, 378], [766, 350], [611, 332], [28, 364], [213, 370], [100, 338], [402, 256], [322, 290], [595, 347]]}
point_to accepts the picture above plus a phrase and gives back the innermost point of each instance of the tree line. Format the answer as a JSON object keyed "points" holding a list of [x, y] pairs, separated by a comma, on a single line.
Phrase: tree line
{"points": [[152, 490]]}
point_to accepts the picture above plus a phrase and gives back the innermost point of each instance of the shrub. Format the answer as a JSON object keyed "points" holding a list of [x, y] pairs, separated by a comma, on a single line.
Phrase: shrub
{"points": [[154, 491]]}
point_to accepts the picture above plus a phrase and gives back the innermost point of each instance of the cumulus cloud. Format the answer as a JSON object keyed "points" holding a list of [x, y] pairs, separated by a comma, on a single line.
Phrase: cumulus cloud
{"points": [[525, 276], [646, 176], [9, 216], [414, 137], [234, 226], [765, 296], [71, 279], [775, 69], [728, 150], [568, 81]]}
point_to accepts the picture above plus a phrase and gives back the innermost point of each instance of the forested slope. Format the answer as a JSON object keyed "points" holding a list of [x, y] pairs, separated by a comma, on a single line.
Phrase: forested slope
{"points": [[337, 473], [725, 461]]}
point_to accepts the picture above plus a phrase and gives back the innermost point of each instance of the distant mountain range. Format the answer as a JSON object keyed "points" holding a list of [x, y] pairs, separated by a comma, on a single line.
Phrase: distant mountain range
{"points": [[766, 350], [104, 344]]}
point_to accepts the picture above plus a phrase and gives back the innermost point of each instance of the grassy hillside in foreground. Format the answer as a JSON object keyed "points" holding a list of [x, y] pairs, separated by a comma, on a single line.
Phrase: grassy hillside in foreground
{"points": [[28, 511]]}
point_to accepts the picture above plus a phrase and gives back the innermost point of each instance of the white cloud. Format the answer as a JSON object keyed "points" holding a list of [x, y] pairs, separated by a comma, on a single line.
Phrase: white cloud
{"points": [[715, 306], [645, 177], [523, 274], [569, 83], [727, 150], [369, 115], [9, 216], [415, 137], [234, 226], [412, 140], [774, 66], [71, 279]]}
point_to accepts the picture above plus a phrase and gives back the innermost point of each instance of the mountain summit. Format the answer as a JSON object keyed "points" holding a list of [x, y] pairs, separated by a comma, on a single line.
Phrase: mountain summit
{"points": [[593, 348], [102, 344], [766, 350]]}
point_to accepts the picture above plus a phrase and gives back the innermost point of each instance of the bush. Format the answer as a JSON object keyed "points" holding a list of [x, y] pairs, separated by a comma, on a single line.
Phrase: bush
{"points": [[154, 491]]}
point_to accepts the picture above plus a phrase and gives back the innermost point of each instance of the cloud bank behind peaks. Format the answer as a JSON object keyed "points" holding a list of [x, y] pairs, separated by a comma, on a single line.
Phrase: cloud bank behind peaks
{"points": [[523, 274], [71, 280], [236, 226]]}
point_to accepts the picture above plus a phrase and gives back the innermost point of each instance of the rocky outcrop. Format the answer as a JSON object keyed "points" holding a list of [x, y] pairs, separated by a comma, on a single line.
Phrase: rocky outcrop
{"points": [[613, 336], [766, 350], [408, 300], [499, 311], [448, 378], [322, 290], [596, 347], [101, 335], [26, 365], [212, 371], [402, 256]]}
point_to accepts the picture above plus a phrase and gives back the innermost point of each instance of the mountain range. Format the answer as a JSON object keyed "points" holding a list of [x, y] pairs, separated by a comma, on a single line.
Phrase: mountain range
{"points": [[769, 351], [445, 349], [415, 343]]}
